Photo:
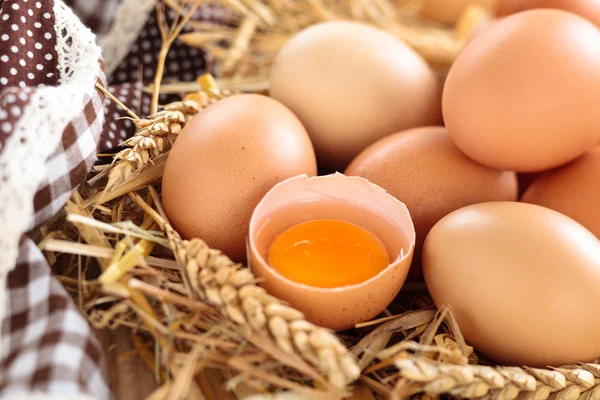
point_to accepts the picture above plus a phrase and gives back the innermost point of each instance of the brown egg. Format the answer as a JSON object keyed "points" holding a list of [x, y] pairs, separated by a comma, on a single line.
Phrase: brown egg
{"points": [[224, 161], [449, 11], [348, 92], [589, 9], [422, 168], [507, 7], [509, 99], [522, 281], [572, 190]]}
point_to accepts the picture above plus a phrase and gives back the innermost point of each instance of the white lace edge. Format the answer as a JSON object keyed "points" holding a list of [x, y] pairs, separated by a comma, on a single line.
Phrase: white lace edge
{"points": [[131, 18], [38, 133]]}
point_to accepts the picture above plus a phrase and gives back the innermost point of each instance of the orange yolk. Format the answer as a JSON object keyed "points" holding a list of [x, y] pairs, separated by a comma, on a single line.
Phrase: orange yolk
{"points": [[327, 254]]}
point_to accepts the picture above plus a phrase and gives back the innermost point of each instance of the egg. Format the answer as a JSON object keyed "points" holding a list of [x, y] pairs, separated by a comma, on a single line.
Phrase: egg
{"points": [[423, 168], [508, 100], [572, 190], [589, 9], [349, 200], [224, 161], [450, 11], [352, 84], [523, 282]]}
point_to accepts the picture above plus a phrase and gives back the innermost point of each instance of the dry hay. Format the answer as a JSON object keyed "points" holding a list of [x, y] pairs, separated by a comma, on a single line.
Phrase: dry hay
{"points": [[193, 312]]}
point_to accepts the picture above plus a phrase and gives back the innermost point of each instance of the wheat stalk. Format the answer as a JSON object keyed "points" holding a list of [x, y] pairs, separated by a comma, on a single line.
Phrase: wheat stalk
{"points": [[444, 369], [440, 365], [156, 134], [214, 278], [233, 290], [422, 375]]}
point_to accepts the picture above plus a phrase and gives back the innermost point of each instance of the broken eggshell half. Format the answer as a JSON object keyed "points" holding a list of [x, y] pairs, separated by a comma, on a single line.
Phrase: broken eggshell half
{"points": [[336, 196]]}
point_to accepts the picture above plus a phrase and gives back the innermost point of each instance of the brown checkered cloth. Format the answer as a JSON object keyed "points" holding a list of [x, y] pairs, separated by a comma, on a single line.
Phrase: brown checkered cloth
{"points": [[51, 118], [52, 124]]}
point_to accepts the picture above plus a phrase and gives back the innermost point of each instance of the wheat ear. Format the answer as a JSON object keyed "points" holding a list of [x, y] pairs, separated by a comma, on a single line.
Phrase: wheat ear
{"points": [[419, 374], [156, 134], [233, 290]]}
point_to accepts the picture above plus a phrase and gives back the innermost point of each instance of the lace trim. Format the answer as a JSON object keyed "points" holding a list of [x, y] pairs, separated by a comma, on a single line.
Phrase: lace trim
{"points": [[39, 131], [129, 22]]}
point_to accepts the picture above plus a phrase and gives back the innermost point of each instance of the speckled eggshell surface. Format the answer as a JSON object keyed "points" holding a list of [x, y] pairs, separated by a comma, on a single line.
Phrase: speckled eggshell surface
{"points": [[573, 189], [523, 282], [422, 168], [348, 92], [523, 95], [224, 161]]}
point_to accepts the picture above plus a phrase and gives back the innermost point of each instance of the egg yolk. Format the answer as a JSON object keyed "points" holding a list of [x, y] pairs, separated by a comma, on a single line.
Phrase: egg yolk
{"points": [[327, 254]]}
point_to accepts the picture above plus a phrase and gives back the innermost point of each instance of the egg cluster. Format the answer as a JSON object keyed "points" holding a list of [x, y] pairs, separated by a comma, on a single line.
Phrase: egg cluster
{"points": [[485, 185]]}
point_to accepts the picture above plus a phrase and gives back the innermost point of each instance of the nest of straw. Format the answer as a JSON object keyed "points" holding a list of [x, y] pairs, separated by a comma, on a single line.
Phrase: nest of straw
{"points": [[192, 311]]}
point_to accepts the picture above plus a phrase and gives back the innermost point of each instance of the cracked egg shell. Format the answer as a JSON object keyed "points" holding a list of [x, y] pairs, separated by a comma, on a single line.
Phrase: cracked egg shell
{"points": [[336, 196], [224, 161]]}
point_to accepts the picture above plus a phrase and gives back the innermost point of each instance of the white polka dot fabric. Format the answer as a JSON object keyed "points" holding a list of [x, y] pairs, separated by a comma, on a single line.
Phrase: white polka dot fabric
{"points": [[27, 56], [27, 52], [183, 63]]}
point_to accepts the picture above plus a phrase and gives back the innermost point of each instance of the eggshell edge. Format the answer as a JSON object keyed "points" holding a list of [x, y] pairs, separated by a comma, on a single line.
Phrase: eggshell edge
{"points": [[335, 308]]}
